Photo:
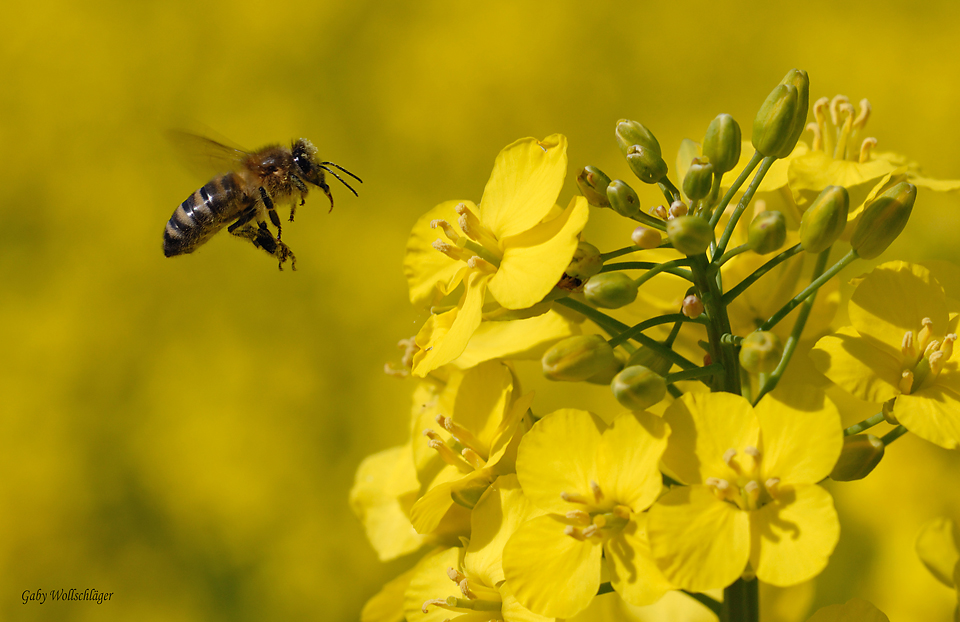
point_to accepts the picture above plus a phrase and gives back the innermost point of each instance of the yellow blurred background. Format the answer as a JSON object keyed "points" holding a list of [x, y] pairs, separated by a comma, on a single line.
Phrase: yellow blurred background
{"points": [[183, 432]]}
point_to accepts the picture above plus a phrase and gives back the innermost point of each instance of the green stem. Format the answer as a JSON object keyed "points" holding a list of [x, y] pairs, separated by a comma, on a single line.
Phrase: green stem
{"points": [[674, 391], [794, 339], [626, 250], [893, 435], [605, 588], [741, 602], [670, 192], [644, 325], [693, 374], [742, 286], [714, 606], [725, 201], [744, 202], [670, 267], [717, 326], [809, 291], [611, 326], [866, 424], [730, 254]]}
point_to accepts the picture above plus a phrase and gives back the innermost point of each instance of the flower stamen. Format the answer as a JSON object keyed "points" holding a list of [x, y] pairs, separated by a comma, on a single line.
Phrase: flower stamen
{"points": [[464, 436], [865, 147]]}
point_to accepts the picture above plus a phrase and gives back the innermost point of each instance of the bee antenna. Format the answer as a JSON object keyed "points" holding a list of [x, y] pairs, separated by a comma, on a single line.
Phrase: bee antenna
{"points": [[342, 169], [341, 178]]}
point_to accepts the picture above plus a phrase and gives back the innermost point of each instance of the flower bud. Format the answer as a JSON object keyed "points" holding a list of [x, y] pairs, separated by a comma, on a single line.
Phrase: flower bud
{"points": [[644, 237], [586, 262], [860, 455], [630, 133], [691, 235], [637, 387], [774, 120], [651, 359], [760, 352], [824, 220], [646, 164], [722, 144], [767, 232], [593, 185], [610, 290], [883, 220], [782, 116], [623, 199], [699, 178], [605, 376], [692, 306], [577, 358]]}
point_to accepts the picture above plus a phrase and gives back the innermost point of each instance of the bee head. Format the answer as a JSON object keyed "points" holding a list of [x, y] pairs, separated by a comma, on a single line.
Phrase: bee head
{"points": [[305, 159]]}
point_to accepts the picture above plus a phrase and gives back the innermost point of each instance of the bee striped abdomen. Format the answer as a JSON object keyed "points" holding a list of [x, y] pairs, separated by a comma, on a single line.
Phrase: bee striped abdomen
{"points": [[205, 212]]}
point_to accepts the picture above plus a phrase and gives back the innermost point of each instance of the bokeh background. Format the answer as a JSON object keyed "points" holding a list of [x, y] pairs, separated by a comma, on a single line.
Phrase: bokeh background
{"points": [[184, 432]]}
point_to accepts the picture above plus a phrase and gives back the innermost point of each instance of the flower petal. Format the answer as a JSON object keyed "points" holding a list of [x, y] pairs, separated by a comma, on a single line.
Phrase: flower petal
{"points": [[938, 546], [811, 173], [430, 581], [699, 542], [855, 610], [551, 573], [513, 611], [858, 366], [800, 432], [633, 571], [893, 299], [431, 274], [387, 604], [792, 537], [629, 452], [496, 517], [703, 426], [933, 413], [382, 493], [516, 339], [524, 185], [559, 454], [444, 336], [534, 260]]}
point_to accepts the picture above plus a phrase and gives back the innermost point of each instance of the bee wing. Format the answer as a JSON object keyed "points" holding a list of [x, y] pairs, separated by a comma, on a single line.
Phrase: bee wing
{"points": [[205, 155]]}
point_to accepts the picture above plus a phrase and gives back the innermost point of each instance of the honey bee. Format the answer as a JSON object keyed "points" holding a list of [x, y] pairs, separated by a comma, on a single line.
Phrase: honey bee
{"points": [[256, 183]]}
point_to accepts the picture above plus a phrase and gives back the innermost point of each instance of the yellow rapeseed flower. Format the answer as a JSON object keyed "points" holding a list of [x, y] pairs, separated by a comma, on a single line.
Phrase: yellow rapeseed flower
{"points": [[509, 252], [751, 504], [899, 348], [595, 481]]}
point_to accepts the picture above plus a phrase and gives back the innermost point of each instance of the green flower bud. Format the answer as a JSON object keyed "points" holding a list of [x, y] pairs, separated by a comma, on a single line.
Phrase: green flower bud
{"points": [[651, 359], [824, 220], [586, 262], [722, 143], [699, 178], [610, 290], [691, 235], [860, 455], [767, 232], [623, 199], [774, 120], [605, 377], [630, 133], [593, 185], [646, 164], [883, 220], [760, 352], [638, 388], [799, 79], [577, 358]]}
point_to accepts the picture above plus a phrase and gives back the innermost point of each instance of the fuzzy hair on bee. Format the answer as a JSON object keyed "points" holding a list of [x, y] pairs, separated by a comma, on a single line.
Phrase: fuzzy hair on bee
{"points": [[247, 194]]}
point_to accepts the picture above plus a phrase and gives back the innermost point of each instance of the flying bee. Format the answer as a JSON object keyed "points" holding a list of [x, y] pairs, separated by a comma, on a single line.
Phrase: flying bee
{"points": [[248, 194]]}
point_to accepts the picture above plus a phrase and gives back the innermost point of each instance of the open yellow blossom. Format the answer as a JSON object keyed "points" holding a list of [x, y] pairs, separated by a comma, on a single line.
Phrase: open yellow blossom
{"points": [[466, 584], [465, 440], [751, 504], [899, 348], [595, 481], [938, 546], [508, 252]]}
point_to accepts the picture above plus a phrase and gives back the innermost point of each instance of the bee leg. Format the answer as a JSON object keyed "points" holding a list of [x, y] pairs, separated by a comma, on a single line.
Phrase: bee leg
{"points": [[245, 216], [302, 187], [261, 237], [271, 211]]}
